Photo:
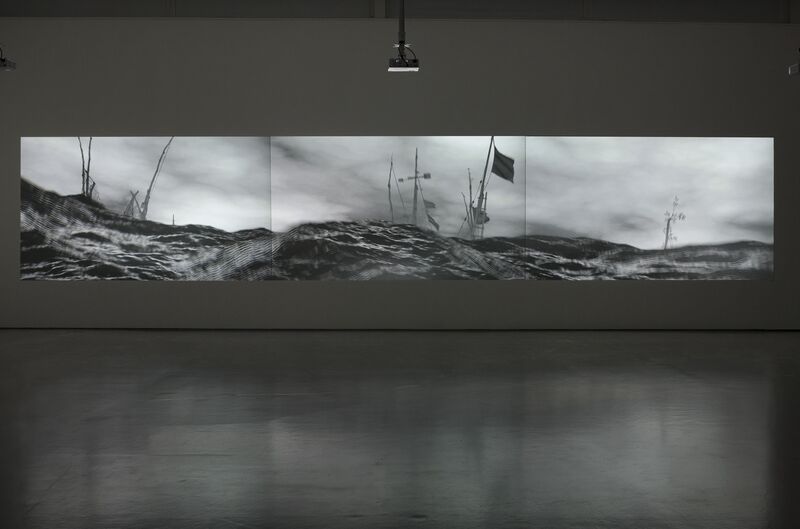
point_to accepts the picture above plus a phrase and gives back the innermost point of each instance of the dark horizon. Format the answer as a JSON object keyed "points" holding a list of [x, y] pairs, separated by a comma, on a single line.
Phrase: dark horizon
{"points": [[546, 231]]}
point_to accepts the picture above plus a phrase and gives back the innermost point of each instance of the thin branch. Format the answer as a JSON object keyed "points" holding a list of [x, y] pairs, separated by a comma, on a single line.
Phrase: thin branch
{"points": [[83, 168], [146, 203]]}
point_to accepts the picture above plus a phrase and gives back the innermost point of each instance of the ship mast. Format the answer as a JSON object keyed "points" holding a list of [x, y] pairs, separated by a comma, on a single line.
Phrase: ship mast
{"points": [[416, 184], [418, 192], [133, 209], [479, 217], [476, 217], [389, 187], [393, 175]]}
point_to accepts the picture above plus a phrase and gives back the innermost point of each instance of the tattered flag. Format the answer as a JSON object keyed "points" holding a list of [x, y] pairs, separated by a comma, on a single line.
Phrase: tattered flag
{"points": [[503, 166], [433, 221], [429, 204]]}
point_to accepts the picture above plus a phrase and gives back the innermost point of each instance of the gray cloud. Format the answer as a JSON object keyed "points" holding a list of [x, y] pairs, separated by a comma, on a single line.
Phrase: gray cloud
{"points": [[633, 222], [760, 230], [220, 182], [610, 188], [316, 179], [619, 188]]}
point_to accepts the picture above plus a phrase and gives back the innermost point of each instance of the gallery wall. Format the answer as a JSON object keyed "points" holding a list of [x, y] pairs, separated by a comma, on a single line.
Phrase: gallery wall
{"points": [[154, 77]]}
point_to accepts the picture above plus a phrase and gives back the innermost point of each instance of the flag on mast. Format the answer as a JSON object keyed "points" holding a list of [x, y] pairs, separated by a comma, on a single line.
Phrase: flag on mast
{"points": [[503, 166], [429, 204]]}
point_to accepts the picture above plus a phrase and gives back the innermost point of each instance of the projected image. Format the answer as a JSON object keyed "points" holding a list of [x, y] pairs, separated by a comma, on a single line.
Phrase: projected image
{"points": [[399, 207], [649, 208], [396, 208], [145, 208]]}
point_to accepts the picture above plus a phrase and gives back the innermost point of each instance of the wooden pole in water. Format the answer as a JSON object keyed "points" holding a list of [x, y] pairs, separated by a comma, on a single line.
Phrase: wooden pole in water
{"points": [[83, 167], [470, 216], [146, 203], [89, 187]]}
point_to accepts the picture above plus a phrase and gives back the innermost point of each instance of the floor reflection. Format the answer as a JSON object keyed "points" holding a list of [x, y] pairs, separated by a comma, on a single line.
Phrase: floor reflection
{"points": [[388, 430]]}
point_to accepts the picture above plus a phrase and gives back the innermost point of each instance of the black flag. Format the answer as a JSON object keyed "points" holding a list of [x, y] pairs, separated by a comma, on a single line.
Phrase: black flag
{"points": [[433, 221], [503, 166]]}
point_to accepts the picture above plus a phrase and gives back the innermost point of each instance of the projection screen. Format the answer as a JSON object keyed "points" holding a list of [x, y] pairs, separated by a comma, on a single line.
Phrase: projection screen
{"points": [[396, 208]]}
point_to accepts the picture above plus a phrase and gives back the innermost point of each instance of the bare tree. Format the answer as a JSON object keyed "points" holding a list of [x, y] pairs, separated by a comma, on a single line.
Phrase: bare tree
{"points": [[671, 217], [87, 183]]}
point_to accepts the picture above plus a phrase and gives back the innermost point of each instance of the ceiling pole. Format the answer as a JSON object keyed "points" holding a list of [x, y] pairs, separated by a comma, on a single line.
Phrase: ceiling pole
{"points": [[401, 37]]}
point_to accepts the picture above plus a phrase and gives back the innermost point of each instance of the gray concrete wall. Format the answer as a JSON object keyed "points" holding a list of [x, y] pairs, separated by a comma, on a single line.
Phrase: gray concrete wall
{"points": [[257, 77]]}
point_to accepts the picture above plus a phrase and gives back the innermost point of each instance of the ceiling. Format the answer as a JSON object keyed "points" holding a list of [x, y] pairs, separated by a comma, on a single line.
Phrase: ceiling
{"points": [[742, 11]]}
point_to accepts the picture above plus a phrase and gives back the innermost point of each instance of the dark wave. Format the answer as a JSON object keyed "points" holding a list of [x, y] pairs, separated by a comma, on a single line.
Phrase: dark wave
{"points": [[76, 238]]}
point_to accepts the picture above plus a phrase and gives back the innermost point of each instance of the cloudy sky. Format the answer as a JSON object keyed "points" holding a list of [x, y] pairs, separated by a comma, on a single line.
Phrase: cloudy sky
{"points": [[618, 189], [615, 189], [315, 179], [220, 182]]}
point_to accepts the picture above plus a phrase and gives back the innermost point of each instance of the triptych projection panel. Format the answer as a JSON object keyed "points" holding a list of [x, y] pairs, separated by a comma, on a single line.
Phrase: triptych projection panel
{"points": [[650, 208], [396, 208], [399, 207], [145, 208]]}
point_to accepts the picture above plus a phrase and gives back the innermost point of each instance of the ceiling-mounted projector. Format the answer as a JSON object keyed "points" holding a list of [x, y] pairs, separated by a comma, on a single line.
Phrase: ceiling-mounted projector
{"points": [[403, 63]]}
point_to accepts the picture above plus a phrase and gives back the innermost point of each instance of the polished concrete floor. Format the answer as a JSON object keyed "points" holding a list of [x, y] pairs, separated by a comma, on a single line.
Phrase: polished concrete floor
{"points": [[116, 429]]}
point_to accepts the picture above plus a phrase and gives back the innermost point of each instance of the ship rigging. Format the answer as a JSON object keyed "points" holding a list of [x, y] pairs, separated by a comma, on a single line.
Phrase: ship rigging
{"points": [[476, 214], [419, 194]]}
